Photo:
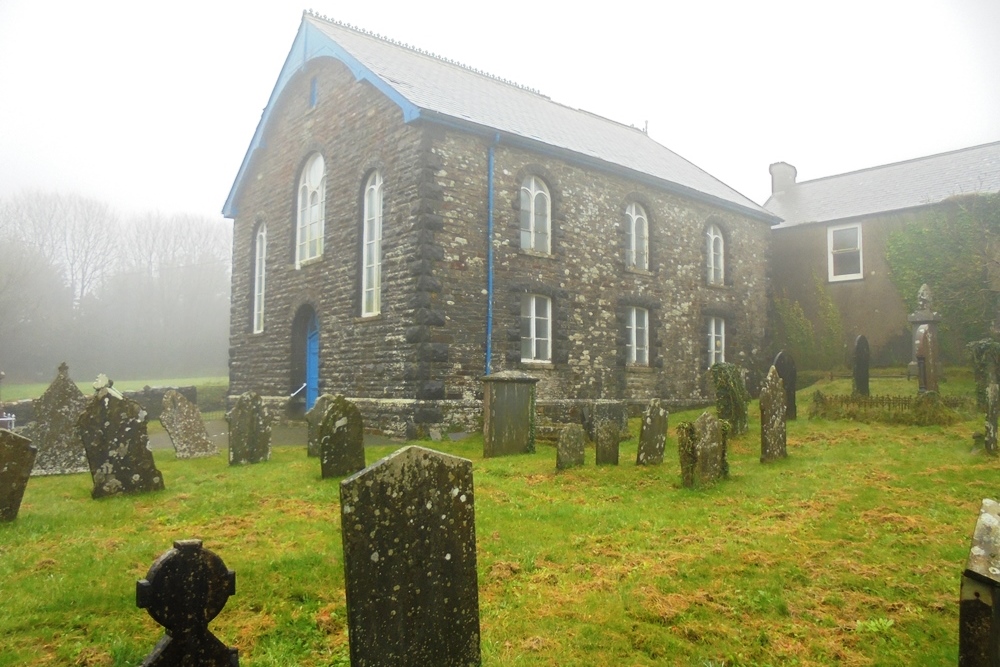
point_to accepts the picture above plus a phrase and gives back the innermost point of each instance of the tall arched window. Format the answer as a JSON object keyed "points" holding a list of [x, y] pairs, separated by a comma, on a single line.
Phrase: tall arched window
{"points": [[371, 253], [259, 277], [637, 237], [716, 256], [536, 216], [311, 210]]}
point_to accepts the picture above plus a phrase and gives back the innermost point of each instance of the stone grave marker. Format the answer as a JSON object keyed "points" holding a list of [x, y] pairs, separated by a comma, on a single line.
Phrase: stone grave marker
{"points": [[183, 591], [53, 430], [249, 430], [603, 410], [342, 439], [702, 449], [992, 412], [17, 456], [772, 418], [652, 434], [927, 366], [113, 431], [609, 435], [979, 595], [785, 365], [569, 449], [862, 359], [508, 413], [732, 399], [314, 418], [182, 421], [409, 534]]}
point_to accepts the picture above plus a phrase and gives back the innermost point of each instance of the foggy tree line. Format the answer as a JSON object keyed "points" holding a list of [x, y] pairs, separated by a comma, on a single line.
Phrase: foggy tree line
{"points": [[144, 296]]}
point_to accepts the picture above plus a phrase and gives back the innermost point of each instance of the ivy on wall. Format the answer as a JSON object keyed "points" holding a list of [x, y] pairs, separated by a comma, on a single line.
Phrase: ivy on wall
{"points": [[818, 346], [732, 400]]}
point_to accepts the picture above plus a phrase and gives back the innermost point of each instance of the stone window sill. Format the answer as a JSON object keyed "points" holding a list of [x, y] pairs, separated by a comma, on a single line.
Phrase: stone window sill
{"points": [[637, 271], [536, 253], [309, 262], [364, 319], [639, 368]]}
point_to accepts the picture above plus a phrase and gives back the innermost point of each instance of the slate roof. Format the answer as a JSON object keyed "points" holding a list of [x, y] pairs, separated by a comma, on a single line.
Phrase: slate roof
{"points": [[438, 90], [891, 187]]}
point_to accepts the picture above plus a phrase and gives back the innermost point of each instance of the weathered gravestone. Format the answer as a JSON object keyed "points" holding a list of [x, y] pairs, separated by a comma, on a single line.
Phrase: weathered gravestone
{"points": [[183, 591], [409, 534], [569, 449], [927, 368], [314, 418], [508, 413], [862, 359], [596, 412], [992, 412], [785, 365], [702, 449], [979, 597], [921, 320], [182, 421], [652, 434], [342, 439], [772, 418], [732, 400], [113, 431], [17, 456], [249, 430], [609, 435], [53, 431]]}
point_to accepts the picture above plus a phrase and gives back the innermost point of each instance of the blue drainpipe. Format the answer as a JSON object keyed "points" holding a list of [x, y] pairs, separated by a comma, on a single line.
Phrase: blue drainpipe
{"points": [[489, 258]]}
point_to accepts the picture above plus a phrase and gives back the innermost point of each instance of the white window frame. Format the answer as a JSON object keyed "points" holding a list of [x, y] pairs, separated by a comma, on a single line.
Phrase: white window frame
{"points": [[637, 243], [536, 328], [371, 248], [716, 340], [637, 330], [536, 216], [716, 257], [311, 200], [831, 253], [259, 277]]}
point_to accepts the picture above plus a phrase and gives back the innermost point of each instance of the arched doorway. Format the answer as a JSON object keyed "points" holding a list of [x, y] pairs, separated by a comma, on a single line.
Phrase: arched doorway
{"points": [[304, 386]]}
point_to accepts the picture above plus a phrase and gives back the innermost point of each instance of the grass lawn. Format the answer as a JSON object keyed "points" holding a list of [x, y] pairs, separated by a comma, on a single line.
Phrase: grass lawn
{"points": [[17, 392], [849, 552]]}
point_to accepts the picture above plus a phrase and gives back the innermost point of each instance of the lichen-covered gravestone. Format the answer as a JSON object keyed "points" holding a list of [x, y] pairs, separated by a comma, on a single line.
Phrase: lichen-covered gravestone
{"points": [[652, 434], [17, 456], [927, 366], [732, 400], [772, 418], [113, 431], [314, 418], [862, 359], [249, 430], [409, 534], [342, 439], [608, 438], [992, 413], [569, 449], [979, 596], [53, 431], [182, 421], [702, 449], [785, 365]]}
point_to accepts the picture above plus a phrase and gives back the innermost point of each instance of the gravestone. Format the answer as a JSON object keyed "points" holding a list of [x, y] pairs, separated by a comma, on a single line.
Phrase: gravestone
{"points": [[927, 368], [772, 418], [53, 431], [609, 435], [569, 449], [508, 413], [732, 400], [702, 449], [652, 434], [342, 439], [182, 421], [923, 319], [992, 412], [249, 430], [862, 359], [409, 533], [183, 591], [604, 410], [979, 596], [314, 418], [785, 365], [113, 431], [17, 456]]}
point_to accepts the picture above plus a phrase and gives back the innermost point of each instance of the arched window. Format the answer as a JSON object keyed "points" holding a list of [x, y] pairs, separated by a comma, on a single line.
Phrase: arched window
{"points": [[259, 277], [637, 237], [371, 251], [536, 216], [311, 210], [716, 256]]}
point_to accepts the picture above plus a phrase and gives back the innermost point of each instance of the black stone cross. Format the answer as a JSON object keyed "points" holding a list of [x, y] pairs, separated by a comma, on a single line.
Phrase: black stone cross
{"points": [[183, 591]]}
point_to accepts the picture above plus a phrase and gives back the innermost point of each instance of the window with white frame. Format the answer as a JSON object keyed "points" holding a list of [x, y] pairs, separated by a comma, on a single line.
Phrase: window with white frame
{"points": [[536, 328], [371, 273], [844, 252], [637, 237], [716, 256], [259, 277], [536, 216], [311, 210], [637, 331], [716, 341]]}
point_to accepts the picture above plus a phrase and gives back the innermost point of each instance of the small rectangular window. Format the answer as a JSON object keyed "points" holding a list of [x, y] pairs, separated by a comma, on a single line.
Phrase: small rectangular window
{"points": [[844, 253], [637, 331], [716, 341], [536, 329]]}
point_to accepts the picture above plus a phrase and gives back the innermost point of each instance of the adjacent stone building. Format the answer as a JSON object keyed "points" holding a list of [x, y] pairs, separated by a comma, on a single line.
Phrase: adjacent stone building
{"points": [[404, 225]]}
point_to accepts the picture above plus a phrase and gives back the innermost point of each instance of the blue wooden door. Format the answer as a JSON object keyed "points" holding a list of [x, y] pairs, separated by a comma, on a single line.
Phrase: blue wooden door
{"points": [[312, 362]]}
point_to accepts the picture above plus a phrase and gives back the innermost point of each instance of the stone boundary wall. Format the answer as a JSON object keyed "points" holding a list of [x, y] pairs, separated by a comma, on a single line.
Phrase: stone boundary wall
{"points": [[150, 398]]}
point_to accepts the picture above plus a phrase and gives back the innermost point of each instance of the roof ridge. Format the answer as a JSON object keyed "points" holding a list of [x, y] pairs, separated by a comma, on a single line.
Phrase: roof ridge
{"points": [[429, 54]]}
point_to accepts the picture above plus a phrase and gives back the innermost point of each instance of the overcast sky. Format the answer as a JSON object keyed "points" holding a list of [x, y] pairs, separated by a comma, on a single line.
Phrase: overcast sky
{"points": [[151, 106]]}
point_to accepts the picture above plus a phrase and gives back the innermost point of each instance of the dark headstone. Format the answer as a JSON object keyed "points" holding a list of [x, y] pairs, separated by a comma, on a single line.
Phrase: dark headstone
{"points": [[113, 431], [785, 365], [992, 412], [927, 368], [923, 319], [652, 434], [508, 413], [609, 435], [732, 399], [183, 591], [701, 446], [182, 421], [569, 449], [342, 439], [249, 430], [314, 418], [600, 411], [772, 418], [979, 597], [409, 534], [60, 450], [17, 456], [862, 359]]}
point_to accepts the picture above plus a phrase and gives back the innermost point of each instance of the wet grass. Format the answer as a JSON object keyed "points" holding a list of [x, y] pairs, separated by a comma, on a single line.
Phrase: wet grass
{"points": [[17, 392]]}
